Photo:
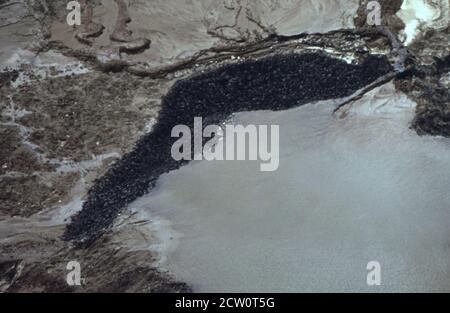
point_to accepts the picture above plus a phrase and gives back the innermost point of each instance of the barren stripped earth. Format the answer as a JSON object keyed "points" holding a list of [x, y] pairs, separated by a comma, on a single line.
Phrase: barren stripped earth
{"points": [[78, 104]]}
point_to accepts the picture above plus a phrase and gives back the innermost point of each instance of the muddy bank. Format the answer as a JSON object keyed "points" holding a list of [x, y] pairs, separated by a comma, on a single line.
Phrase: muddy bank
{"points": [[270, 83], [180, 29], [35, 260]]}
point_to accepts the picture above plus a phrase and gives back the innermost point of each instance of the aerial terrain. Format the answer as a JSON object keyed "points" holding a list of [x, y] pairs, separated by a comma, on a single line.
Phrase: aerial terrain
{"points": [[86, 173]]}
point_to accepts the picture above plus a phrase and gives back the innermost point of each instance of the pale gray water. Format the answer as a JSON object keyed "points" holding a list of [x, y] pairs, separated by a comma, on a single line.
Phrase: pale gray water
{"points": [[348, 191]]}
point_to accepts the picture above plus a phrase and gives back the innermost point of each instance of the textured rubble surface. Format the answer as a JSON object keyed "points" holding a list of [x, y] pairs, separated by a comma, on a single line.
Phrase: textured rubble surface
{"points": [[74, 100], [270, 83]]}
